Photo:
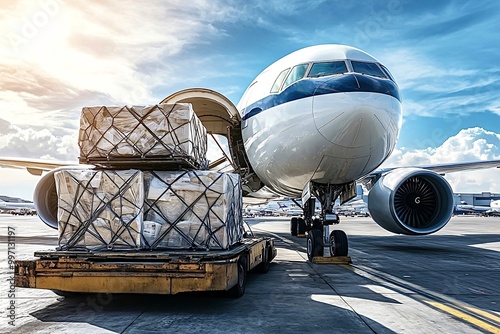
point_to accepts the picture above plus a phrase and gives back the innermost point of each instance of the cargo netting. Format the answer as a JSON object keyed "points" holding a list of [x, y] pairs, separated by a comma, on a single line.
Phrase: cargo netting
{"points": [[192, 209], [114, 210], [142, 136], [99, 210]]}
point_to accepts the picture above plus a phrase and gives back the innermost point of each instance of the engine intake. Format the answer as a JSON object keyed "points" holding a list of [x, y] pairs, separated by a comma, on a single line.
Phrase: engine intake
{"points": [[411, 201]]}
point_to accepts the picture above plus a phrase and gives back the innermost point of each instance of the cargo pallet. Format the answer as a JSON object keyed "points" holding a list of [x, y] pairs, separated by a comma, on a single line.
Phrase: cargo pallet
{"points": [[147, 272], [170, 163]]}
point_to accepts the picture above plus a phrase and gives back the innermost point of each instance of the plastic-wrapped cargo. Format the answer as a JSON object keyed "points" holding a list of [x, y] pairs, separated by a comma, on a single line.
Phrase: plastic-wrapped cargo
{"points": [[138, 135], [192, 210], [100, 210]]}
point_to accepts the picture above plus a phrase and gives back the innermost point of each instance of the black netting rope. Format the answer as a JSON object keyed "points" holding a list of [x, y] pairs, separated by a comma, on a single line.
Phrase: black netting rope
{"points": [[204, 222], [86, 225], [194, 124]]}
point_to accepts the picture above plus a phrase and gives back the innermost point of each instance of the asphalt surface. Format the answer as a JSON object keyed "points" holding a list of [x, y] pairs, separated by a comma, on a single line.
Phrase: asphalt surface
{"points": [[448, 282]]}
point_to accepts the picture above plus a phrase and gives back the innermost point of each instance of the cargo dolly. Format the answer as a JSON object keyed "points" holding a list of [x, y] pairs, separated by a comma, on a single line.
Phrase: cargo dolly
{"points": [[147, 272]]}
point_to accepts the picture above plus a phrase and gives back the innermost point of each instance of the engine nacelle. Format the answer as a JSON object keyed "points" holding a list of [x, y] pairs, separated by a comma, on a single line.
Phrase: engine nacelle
{"points": [[45, 196], [411, 201]]}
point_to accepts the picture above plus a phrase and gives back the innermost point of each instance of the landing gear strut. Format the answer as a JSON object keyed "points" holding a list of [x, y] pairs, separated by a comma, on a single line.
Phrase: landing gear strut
{"points": [[319, 238]]}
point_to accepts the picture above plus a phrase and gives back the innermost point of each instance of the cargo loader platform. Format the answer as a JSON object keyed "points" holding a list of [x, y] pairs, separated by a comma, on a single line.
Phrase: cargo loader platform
{"points": [[148, 272]]}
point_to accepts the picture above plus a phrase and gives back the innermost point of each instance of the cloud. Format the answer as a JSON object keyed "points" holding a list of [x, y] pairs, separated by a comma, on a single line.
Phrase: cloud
{"points": [[471, 144], [452, 19], [5, 126], [58, 56], [39, 144], [433, 88]]}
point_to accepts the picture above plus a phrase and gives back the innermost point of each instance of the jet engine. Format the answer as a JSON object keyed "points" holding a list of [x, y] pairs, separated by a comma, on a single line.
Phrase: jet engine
{"points": [[411, 201], [45, 196]]}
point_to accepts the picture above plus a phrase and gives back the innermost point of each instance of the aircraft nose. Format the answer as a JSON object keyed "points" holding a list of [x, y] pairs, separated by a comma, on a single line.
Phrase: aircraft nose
{"points": [[362, 129], [357, 119]]}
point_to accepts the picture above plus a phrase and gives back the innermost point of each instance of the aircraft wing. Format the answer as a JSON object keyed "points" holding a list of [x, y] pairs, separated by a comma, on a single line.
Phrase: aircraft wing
{"points": [[442, 169], [33, 166], [462, 167]]}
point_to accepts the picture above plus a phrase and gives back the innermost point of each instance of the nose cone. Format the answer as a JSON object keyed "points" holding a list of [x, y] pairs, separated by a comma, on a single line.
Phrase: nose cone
{"points": [[357, 119], [362, 127], [357, 110]]}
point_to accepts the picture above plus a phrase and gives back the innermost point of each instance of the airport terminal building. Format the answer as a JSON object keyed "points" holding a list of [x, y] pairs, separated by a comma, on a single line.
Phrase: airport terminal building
{"points": [[476, 199]]}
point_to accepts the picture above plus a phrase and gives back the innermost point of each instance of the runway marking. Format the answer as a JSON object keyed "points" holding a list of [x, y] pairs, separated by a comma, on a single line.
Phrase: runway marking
{"points": [[464, 316], [468, 313], [493, 246], [484, 314]]}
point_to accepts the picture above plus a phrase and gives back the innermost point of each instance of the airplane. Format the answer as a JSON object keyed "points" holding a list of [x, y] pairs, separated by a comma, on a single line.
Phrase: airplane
{"points": [[355, 206], [464, 207], [16, 206], [494, 209], [275, 208], [313, 125]]}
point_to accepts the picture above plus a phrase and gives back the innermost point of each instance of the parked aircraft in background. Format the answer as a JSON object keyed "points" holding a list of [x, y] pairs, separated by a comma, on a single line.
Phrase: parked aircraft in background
{"points": [[358, 206], [465, 208], [277, 208], [495, 209], [312, 125], [16, 206]]}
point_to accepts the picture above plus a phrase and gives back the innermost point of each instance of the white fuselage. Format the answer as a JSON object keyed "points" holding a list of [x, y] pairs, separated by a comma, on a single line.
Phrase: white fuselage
{"points": [[325, 128], [495, 205], [15, 205]]}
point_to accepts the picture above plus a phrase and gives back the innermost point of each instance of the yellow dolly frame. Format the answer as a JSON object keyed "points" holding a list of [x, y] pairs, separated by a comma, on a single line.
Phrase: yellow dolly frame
{"points": [[158, 272]]}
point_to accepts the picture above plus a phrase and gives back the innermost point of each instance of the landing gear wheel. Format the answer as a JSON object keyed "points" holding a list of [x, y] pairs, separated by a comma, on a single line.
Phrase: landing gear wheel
{"points": [[314, 244], [338, 243], [302, 226], [293, 226], [239, 289]]}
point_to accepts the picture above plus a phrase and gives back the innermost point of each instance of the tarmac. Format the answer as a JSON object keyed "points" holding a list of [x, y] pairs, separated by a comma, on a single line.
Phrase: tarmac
{"points": [[448, 282]]}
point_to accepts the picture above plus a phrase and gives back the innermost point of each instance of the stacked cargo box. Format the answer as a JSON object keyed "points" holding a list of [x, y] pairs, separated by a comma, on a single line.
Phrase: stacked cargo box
{"points": [[192, 209], [143, 208], [162, 133], [100, 209]]}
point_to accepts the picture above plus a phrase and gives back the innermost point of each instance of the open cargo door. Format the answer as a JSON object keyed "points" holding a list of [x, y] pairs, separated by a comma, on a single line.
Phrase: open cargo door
{"points": [[220, 116]]}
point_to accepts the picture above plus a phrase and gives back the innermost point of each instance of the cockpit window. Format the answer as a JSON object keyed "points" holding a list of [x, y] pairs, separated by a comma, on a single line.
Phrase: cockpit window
{"points": [[367, 68], [327, 68], [296, 73], [279, 81], [386, 71]]}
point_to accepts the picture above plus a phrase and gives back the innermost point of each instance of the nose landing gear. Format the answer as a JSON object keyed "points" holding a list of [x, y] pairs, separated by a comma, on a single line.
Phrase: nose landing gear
{"points": [[338, 243], [323, 246]]}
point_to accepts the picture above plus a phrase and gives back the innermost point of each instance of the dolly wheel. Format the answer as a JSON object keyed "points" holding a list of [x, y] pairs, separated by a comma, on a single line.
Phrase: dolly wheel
{"points": [[239, 289]]}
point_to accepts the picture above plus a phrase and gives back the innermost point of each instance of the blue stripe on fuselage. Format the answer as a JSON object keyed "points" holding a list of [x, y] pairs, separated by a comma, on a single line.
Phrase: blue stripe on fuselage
{"points": [[308, 87]]}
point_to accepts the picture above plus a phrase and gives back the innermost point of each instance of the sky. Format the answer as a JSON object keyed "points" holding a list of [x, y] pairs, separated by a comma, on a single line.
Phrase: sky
{"points": [[58, 56]]}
